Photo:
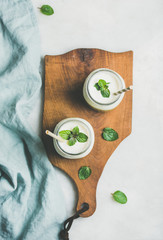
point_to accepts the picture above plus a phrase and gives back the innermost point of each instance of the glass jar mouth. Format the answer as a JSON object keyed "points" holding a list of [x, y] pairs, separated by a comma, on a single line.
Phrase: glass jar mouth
{"points": [[74, 154], [89, 78]]}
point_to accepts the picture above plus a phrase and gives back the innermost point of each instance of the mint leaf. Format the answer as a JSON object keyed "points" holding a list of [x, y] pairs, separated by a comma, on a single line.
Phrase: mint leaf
{"points": [[109, 134], [84, 172], [47, 10], [119, 197], [65, 134], [82, 137], [75, 131], [105, 92], [97, 87], [71, 141], [101, 83], [73, 136]]}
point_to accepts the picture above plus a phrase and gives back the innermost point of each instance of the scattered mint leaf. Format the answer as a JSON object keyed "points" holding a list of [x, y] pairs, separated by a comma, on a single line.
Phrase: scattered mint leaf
{"points": [[109, 134], [75, 131], [84, 172], [82, 137], [101, 83], [65, 134], [71, 141], [97, 87], [120, 197], [47, 10]]}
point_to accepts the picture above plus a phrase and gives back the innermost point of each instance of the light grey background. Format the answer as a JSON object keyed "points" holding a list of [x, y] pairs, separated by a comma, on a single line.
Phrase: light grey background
{"points": [[136, 167]]}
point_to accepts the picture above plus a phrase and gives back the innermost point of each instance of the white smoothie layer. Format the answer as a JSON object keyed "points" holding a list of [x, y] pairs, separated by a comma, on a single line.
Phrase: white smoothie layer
{"points": [[77, 147], [114, 86]]}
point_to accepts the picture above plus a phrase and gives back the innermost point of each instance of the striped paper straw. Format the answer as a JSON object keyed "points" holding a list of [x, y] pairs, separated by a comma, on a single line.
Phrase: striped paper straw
{"points": [[124, 90]]}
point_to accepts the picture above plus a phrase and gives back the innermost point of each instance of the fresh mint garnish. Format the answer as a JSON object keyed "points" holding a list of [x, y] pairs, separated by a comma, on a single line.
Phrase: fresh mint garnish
{"points": [[102, 86], [75, 131], [109, 134], [82, 137], [73, 136], [105, 92], [97, 86], [119, 197], [65, 134], [71, 141], [102, 83], [84, 172], [47, 10]]}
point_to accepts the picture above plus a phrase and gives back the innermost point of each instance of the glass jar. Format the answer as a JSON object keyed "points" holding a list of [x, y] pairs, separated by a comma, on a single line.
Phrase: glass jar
{"points": [[78, 150], [94, 97]]}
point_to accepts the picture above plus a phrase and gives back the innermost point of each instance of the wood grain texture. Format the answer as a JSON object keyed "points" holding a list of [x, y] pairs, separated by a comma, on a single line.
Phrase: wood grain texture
{"points": [[64, 78]]}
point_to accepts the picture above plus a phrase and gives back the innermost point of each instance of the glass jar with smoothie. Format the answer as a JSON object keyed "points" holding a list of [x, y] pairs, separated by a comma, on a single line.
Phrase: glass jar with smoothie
{"points": [[77, 138], [100, 87]]}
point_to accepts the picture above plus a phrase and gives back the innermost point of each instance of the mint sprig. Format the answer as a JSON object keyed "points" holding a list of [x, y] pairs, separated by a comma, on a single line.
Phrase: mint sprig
{"points": [[73, 136], [102, 86]]}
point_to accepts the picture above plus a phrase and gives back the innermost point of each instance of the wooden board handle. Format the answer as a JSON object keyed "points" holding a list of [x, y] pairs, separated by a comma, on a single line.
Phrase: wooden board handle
{"points": [[87, 195]]}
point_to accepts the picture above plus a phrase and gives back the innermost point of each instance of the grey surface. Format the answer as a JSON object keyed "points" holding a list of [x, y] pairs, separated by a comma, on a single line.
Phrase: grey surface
{"points": [[136, 166]]}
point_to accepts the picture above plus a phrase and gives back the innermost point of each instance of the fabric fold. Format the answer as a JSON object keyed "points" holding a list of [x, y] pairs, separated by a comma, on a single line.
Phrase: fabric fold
{"points": [[31, 201]]}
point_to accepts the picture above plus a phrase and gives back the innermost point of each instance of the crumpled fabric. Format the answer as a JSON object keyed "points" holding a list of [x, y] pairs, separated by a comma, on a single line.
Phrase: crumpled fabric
{"points": [[31, 202]]}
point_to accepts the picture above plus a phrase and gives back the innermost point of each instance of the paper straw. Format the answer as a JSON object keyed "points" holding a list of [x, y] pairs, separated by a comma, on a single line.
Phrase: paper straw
{"points": [[124, 90], [54, 136]]}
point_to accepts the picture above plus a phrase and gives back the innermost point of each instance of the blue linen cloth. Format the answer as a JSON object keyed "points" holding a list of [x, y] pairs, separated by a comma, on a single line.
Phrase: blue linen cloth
{"points": [[31, 203]]}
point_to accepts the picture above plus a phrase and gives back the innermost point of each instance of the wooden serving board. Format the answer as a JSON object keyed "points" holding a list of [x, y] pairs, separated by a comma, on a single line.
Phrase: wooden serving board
{"points": [[64, 78]]}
